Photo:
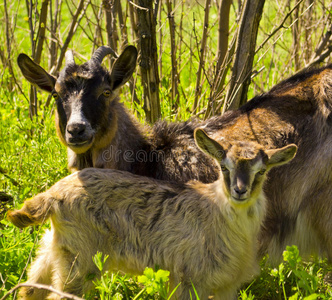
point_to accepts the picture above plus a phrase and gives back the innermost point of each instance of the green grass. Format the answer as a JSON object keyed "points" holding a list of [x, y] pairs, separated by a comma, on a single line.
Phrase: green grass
{"points": [[32, 160], [293, 279]]}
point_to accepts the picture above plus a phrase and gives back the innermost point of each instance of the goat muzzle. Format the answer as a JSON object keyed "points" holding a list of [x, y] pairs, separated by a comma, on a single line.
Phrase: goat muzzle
{"points": [[79, 137]]}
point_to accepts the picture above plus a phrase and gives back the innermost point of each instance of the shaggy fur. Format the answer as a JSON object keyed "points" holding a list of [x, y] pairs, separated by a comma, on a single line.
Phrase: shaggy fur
{"points": [[205, 234]]}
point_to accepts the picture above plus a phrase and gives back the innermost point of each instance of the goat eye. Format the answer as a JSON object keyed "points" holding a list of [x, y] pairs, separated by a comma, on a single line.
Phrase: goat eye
{"points": [[55, 96], [223, 168], [262, 172], [107, 93]]}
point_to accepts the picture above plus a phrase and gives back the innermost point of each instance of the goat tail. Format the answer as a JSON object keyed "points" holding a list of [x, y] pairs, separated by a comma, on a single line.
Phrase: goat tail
{"points": [[34, 211]]}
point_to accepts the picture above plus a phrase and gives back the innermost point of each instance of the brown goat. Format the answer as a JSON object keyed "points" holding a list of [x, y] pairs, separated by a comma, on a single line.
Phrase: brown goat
{"points": [[299, 111], [204, 234]]}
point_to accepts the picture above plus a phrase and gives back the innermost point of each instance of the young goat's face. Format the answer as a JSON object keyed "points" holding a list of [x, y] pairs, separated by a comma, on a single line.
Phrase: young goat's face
{"points": [[244, 165], [243, 168], [84, 96]]}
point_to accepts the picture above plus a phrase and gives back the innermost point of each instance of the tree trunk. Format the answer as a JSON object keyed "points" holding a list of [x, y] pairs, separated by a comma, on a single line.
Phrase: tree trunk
{"points": [[223, 31], [149, 59], [41, 31], [32, 92], [122, 23], [223, 58], [54, 19], [244, 54], [198, 89], [296, 42], [39, 50], [112, 35], [8, 61], [175, 75]]}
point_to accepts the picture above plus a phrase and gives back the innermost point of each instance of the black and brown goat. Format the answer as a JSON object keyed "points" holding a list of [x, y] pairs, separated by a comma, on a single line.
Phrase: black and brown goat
{"points": [[204, 234], [99, 132]]}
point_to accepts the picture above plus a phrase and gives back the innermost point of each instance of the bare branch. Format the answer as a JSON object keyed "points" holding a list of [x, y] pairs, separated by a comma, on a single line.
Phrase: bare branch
{"points": [[319, 58], [281, 25], [137, 6], [41, 287], [71, 32]]}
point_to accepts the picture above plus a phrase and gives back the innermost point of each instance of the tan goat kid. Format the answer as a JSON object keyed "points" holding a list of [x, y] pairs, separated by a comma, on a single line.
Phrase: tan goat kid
{"points": [[204, 234]]}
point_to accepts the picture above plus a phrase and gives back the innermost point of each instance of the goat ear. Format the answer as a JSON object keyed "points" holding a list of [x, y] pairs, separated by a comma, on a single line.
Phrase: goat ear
{"points": [[281, 156], [124, 67], [208, 145], [35, 74]]}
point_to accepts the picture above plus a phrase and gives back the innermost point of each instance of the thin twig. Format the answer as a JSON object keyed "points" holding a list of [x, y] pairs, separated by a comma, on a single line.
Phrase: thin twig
{"points": [[41, 287], [318, 59], [137, 6], [281, 25], [71, 32], [70, 271]]}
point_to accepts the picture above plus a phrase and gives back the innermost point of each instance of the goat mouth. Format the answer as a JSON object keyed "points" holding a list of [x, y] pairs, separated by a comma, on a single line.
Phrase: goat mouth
{"points": [[80, 146], [239, 199]]}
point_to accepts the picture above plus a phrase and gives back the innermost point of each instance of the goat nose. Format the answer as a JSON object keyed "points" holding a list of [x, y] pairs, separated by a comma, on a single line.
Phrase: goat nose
{"points": [[76, 129], [240, 191]]}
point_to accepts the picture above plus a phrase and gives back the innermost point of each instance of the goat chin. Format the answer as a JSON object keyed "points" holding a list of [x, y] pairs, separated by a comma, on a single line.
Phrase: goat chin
{"points": [[81, 147]]}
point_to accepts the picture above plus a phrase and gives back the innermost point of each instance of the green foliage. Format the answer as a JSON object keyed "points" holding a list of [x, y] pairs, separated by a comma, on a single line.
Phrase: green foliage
{"points": [[15, 248], [293, 279], [111, 286], [114, 286], [155, 282], [31, 160]]}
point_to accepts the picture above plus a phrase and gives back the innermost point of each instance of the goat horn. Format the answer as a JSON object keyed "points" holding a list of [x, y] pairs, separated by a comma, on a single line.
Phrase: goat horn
{"points": [[69, 58], [101, 52]]}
